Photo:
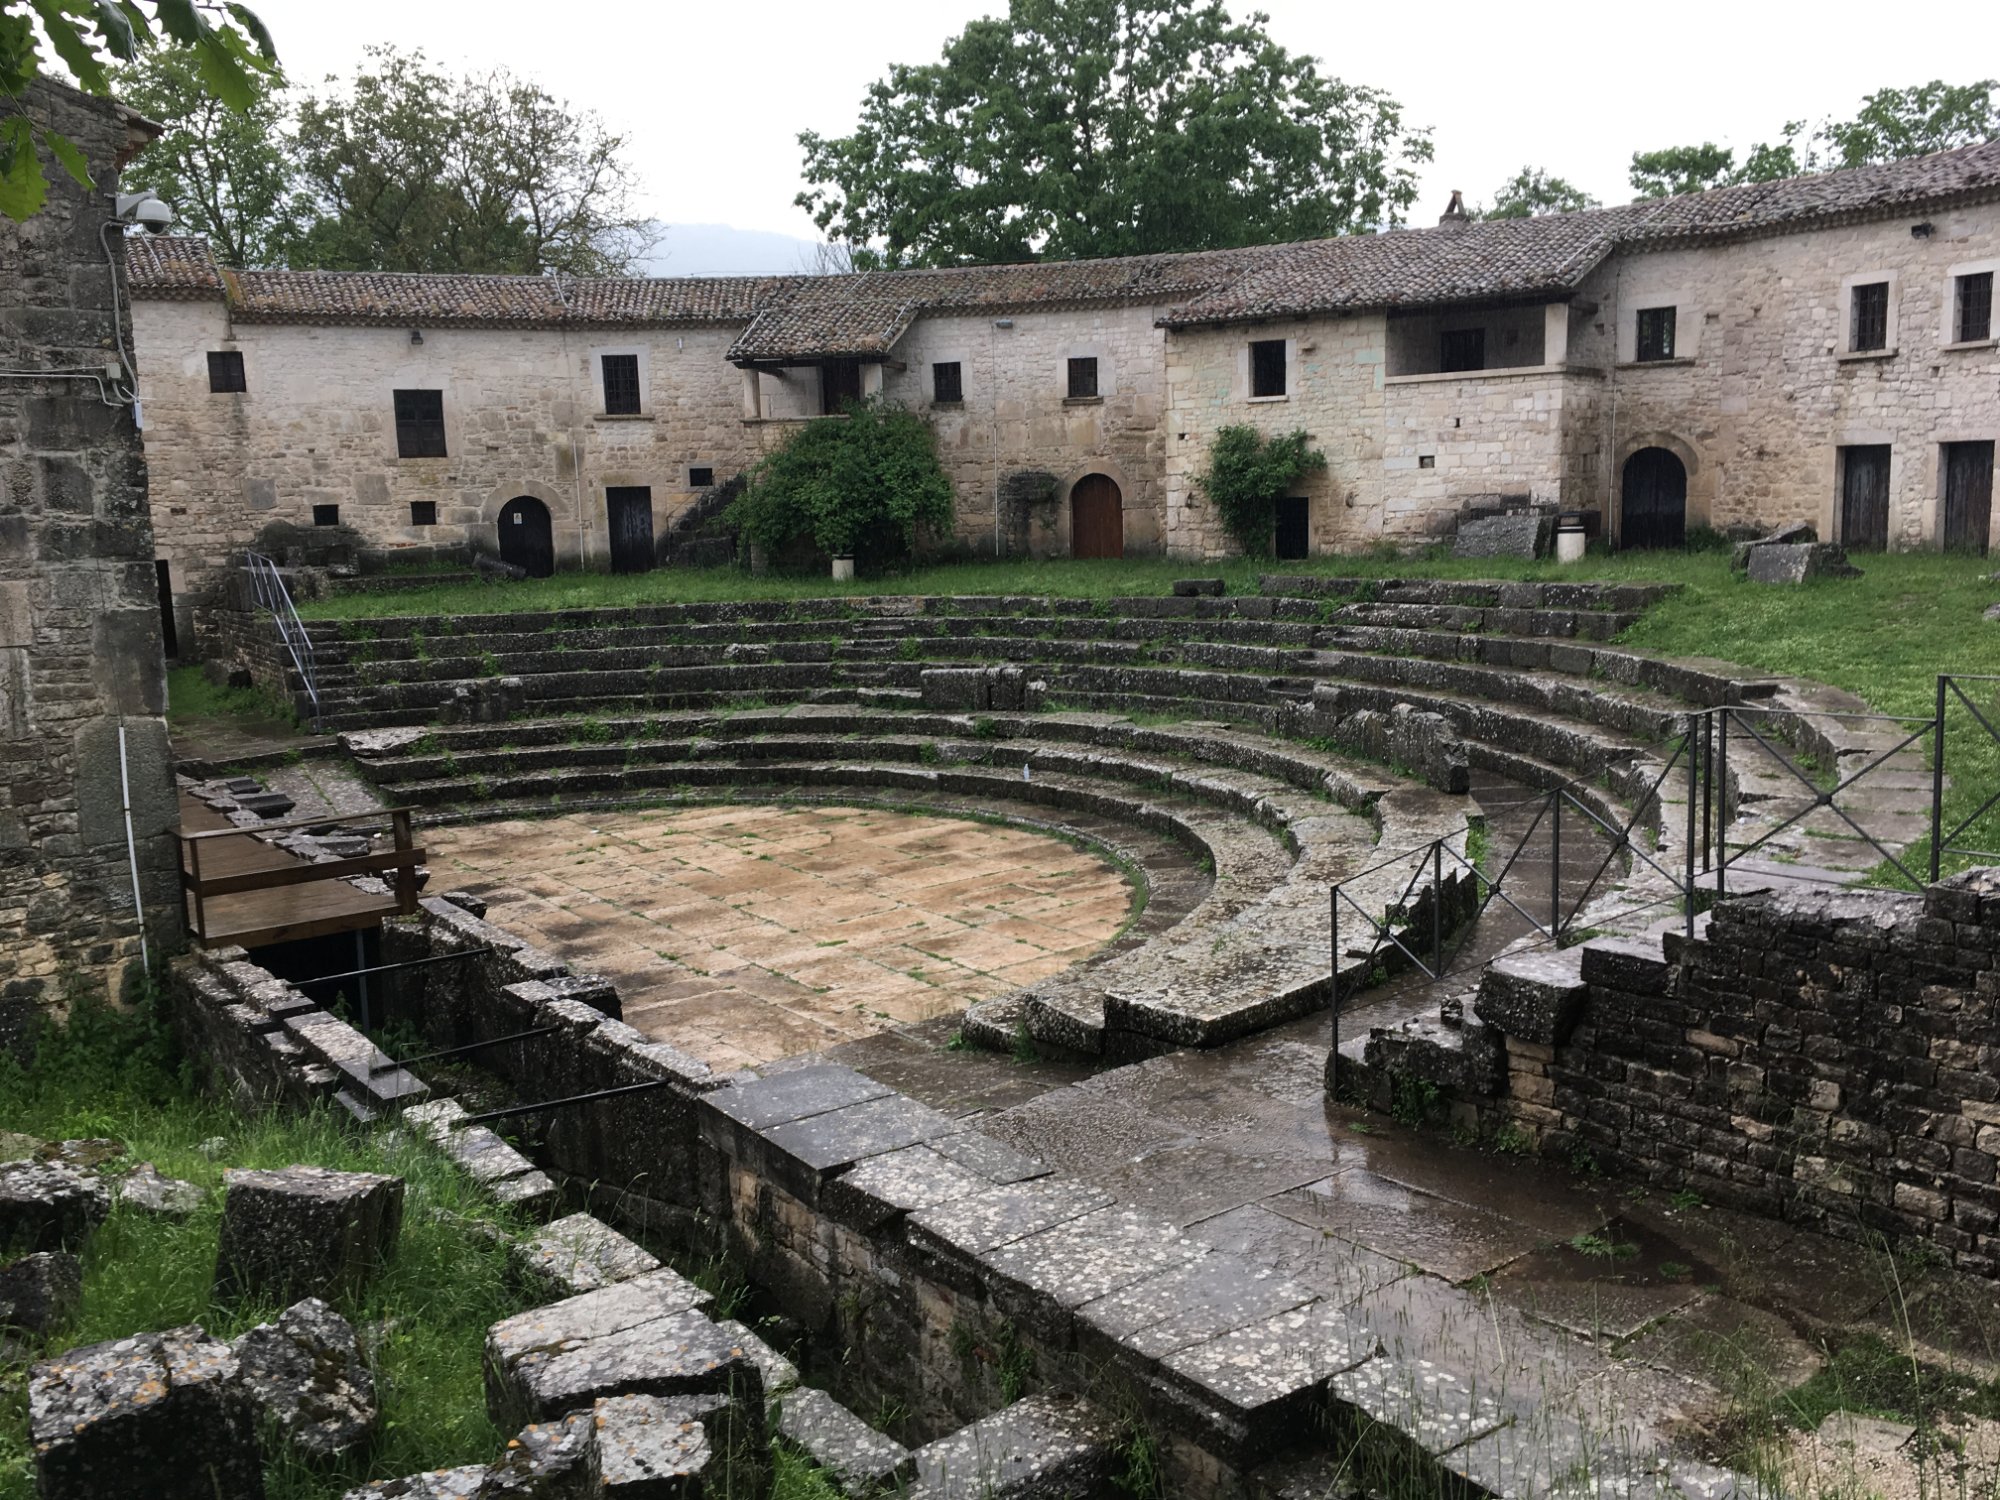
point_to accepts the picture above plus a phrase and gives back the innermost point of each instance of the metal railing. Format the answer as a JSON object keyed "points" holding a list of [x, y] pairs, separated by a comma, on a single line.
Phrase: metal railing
{"points": [[1697, 874], [267, 589]]}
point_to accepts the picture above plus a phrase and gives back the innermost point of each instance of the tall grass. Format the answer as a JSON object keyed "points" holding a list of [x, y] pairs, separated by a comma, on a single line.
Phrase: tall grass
{"points": [[423, 1322]]}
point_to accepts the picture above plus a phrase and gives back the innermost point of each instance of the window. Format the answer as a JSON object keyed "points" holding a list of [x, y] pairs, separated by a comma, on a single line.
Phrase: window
{"points": [[1462, 349], [1083, 379], [839, 383], [1656, 334], [1427, 460], [701, 477], [1267, 367], [621, 385], [1975, 309], [423, 512], [1868, 326], [947, 382], [225, 369], [420, 424], [326, 515]]}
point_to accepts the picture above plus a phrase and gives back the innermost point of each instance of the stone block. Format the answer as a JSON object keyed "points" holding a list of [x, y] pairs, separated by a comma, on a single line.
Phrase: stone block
{"points": [[1773, 563], [48, 1206], [1046, 1447], [543, 1461], [580, 1254], [465, 1483], [306, 1373], [40, 1293], [1520, 534], [860, 1460], [1534, 996], [1196, 588], [142, 1418], [144, 1189], [305, 1231], [955, 689], [667, 1448]]}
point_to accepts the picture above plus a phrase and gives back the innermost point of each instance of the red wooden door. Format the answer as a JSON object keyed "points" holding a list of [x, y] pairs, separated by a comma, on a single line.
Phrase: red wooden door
{"points": [[1096, 518]]}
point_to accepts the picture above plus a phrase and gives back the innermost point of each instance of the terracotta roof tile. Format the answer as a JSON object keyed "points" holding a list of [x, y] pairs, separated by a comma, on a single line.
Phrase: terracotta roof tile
{"points": [[815, 317]]}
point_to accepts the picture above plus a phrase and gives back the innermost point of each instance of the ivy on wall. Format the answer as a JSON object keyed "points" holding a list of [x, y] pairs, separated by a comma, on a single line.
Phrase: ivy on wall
{"points": [[1248, 474]]}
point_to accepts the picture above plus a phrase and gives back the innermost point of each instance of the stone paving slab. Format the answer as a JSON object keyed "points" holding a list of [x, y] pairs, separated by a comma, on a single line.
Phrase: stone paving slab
{"points": [[676, 1355], [897, 1182], [1040, 1448], [1429, 1405], [1083, 1260], [781, 1098], [1002, 1214], [1192, 1304], [1337, 1269], [1448, 1239], [860, 1460], [1262, 1377], [656, 1294], [802, 1152]]}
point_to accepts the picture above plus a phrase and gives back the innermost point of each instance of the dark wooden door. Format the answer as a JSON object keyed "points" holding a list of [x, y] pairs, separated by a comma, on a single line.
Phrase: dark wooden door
{"points": [[1096, 517], [1968, 496], [630, 511], [1864, 498], [526, 539], [1294, 538], [1654, 501]]}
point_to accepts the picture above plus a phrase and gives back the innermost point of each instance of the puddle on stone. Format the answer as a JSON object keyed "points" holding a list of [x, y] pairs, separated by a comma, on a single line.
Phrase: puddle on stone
{"points": [[1611, 1283]]}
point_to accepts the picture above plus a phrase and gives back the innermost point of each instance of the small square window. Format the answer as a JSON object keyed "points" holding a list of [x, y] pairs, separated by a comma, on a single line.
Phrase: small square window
{"points": [[1083, 378], [326, 515], [1267, 367], [621, 385], [1427, 461], [1869, 321], [701, 477], [1461, 349], [1975, 307], [419, 424], [225, 371], [1656, 333], [423, 512], [947, 382]]}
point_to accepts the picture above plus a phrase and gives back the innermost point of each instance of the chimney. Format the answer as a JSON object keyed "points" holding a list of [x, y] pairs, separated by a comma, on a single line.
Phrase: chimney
{"points": [[1455, 213]]}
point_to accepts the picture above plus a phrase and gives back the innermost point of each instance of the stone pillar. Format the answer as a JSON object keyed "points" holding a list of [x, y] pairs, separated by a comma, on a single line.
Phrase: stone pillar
{"points": [[1555, 334], [753, 396], [80, 637]]}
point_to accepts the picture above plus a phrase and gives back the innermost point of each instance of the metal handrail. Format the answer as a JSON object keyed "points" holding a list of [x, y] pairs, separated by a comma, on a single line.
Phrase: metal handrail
{"points": [[267, 587]]}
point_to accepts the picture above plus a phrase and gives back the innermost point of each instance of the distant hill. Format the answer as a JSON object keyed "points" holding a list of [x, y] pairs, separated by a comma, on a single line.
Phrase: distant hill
{"points": [[719, 250]]}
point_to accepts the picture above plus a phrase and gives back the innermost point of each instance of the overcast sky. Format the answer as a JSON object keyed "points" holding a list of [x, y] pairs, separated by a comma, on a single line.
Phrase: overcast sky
{"points": [[713, 94]]}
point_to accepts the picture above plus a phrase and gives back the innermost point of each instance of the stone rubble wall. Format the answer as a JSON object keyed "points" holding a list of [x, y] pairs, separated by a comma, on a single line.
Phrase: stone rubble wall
{"points": [[80, 641]]}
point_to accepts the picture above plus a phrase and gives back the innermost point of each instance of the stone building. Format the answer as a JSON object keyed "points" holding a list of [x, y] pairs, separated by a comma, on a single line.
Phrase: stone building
{"points": [[1819, 349], [80, 627]]}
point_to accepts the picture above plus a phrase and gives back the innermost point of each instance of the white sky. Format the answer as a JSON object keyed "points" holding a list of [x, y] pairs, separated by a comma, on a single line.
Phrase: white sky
{"points": [[713, 94]]}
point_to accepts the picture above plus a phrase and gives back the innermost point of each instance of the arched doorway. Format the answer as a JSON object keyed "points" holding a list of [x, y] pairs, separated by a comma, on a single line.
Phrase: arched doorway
{"points": [[526, 538], [1096, 517], [1653, 500]]}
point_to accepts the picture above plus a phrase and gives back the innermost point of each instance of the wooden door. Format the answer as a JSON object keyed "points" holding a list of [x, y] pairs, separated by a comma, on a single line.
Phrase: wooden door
{"points": [[1294, 536], [1968, 496], [1653, 501], [1864, 498], [1096, 517], [526, 538], [629, 508]]}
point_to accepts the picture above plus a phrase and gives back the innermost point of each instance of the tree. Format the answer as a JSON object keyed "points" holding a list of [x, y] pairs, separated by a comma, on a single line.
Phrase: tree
{"points": [[1248, 474], [1892, 124], [1109, 127], [230, 48], [1532, 191], [1682, 169], [868, 483], [410, 170], [226, 172]]}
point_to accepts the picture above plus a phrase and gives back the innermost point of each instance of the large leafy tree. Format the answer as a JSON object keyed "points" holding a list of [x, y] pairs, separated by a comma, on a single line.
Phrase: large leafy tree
{"points": [[226, 171], [228, 47], [1892, 124], [1109, 127], [409, 169], [1533, 191]]}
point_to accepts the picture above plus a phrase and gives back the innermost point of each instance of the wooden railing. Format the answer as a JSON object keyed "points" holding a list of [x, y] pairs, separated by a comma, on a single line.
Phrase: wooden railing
{"points": [[275, 868]]}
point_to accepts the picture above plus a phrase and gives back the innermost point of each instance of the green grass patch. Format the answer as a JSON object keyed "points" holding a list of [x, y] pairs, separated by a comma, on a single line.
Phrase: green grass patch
{"points": [[192, 698], [423, 1322]]}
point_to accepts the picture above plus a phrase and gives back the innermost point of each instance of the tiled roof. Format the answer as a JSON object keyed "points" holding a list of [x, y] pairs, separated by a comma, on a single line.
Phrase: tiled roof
{"points": [[171, 266], [816, 317]]}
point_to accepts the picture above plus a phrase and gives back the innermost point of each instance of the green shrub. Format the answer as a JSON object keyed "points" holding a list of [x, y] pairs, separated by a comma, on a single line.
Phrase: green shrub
{"points": [[869, 484], [1248, 474]]}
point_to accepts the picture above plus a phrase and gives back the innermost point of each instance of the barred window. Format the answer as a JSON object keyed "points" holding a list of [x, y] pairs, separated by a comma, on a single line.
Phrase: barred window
{"points": [[1975, 307], [225, 371], [1083, 378], [621, 385], [1656, 333], [420, 424], [947, 382], [1870, 320]]}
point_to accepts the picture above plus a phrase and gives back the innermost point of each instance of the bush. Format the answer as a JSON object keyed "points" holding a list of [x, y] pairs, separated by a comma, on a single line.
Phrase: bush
{"points": [[1248, 474], [869, 484]]}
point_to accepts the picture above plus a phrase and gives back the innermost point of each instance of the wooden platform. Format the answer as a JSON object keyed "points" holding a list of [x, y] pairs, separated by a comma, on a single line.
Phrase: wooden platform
{"points": [[247, 891]]}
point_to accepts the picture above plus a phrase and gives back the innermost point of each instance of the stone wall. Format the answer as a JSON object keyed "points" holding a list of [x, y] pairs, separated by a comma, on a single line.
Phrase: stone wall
{"points": [[80, 651], [1828, 1057], [1762, 396]]}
